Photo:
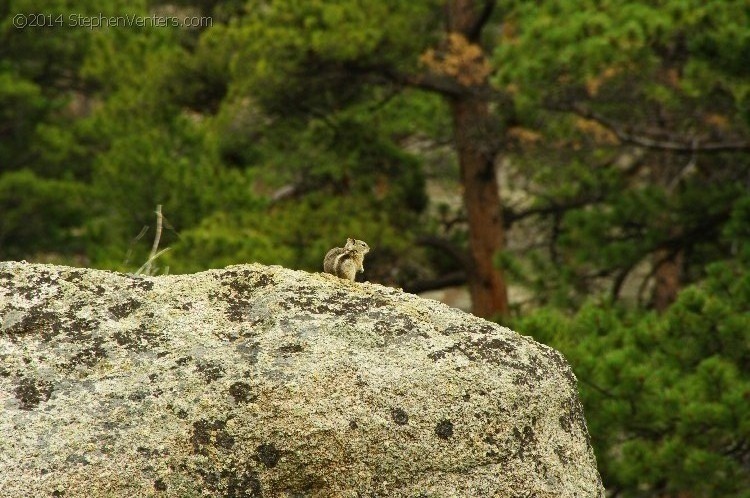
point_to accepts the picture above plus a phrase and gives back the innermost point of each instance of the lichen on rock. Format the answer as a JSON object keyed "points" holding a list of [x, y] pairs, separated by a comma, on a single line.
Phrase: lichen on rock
{"points": [[257, 381]]}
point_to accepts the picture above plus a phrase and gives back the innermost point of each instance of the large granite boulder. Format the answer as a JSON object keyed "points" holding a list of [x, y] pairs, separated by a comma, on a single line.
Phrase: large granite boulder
{"points": [[261, 381]]}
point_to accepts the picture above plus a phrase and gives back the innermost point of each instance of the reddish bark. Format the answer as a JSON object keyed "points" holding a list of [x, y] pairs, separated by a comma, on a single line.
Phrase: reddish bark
{"points": [[668, 279], [483, 207], [476, 155]]}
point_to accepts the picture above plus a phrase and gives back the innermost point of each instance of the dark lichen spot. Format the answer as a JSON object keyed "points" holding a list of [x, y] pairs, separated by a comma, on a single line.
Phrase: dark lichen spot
{"points": [[210, 370], [561, 455], [268, 455], [179, 412], [138, 339], [572, 416], [525, 439], [74, 276], [30, 392], [399, 416], [58, 494], [237, 310], [39, 280], [437, 355], [36, 320], [79, 329], [530, 372], [223, 439], [288, 349], [75, 458], [201, 436], [183, 361], [263, 280], [557, 359], [444, 429], [237, 291], [75, 306], [90, 355], [503, 345], [340, 303], [125, 308], [142, 284], [242, 393], [494, 350], [233, 480], [240, 288], [249, 351], [461, 348], [138, 396], [160, 485], [244, 486], [453, 330], [147, 452], [210, 432], [396, 325], [353, 425]]}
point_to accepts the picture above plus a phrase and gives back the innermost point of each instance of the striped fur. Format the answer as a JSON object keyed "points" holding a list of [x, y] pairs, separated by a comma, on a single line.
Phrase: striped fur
{"points": [[345, 262]]}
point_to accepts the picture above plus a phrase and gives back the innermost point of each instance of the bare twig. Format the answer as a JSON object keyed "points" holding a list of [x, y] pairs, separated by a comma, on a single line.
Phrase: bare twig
{"points": [[146, 269], [157, 237], [132, 243]]}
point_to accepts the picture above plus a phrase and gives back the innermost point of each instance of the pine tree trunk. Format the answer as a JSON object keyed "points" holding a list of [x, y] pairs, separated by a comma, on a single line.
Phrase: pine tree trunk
{"points": [[475, 144], [667, 263], [483, 207], [668, 276]]}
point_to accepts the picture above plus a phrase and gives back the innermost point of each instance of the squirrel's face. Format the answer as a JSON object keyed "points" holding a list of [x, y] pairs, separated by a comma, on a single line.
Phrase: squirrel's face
{"points": [[357, 245]]}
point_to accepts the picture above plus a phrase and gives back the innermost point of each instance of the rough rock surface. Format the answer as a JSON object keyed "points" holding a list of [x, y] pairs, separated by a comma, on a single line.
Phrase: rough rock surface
{"points": [[261, 381]]}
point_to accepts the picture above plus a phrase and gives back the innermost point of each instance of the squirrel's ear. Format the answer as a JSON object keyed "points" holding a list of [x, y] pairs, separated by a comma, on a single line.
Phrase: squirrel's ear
{"points": [[349, 240]]}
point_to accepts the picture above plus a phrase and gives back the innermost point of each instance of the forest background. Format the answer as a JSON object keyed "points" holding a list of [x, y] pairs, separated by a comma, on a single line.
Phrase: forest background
{"points": [[581, 167]]}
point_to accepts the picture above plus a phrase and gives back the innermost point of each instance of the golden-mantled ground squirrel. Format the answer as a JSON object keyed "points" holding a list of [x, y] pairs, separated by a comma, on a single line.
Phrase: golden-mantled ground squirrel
{"points": [[345, 262]]}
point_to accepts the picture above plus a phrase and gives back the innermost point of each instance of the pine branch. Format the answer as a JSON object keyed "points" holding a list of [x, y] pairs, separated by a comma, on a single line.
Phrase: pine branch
{"points": [[511, 216], [447, 246], [441, 282], [676, 144]]}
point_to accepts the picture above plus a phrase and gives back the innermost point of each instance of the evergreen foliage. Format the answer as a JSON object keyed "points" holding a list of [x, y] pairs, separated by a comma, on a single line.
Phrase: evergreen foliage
{"points": [[666, 397], [639, 151]]}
